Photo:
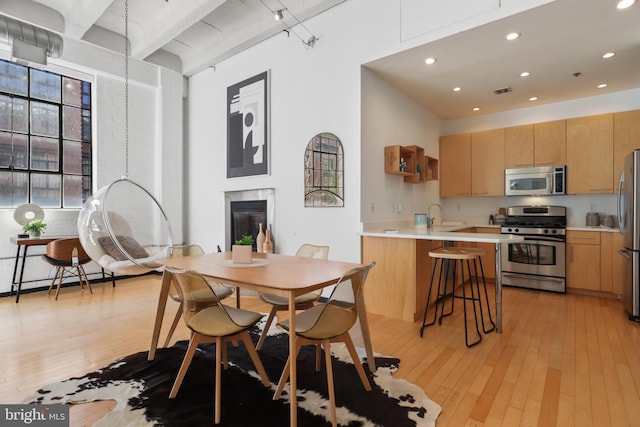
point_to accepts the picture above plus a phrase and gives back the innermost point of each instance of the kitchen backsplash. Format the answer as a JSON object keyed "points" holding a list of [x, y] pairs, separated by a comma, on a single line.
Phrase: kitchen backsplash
{"points": [[478, 209]]}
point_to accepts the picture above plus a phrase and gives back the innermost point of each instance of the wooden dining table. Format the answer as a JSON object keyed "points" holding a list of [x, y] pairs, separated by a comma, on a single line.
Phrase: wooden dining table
{"points": [[284, 275]]}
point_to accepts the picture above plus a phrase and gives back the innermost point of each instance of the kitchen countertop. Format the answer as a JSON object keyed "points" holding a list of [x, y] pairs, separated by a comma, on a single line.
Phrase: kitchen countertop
{"points": [[441, 232]]}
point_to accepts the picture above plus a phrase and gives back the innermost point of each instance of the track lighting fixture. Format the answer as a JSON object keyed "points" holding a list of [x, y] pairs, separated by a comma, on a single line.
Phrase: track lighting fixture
{"points": [[278, 15]]}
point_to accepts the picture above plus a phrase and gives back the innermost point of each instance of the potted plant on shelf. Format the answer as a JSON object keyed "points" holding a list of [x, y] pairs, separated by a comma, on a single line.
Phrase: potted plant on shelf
{"points": [[241, 251], [34, 227]]}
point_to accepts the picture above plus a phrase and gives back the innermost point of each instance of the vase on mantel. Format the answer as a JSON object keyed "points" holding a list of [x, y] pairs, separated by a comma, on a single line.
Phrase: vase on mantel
{"points": [[260, 239], [267, 246]]}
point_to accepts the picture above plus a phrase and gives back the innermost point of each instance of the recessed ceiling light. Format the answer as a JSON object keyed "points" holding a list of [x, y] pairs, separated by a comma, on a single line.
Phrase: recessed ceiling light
{"points": [[512, 36], [476, 108], [608, 55], [430, 61], [623, 4], [602, 85], [525, 74], [457, 89], [533, 98]]}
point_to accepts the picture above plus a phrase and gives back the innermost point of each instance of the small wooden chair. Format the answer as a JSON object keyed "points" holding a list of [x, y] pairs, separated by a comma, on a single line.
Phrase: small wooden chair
{"points": [[67, 255]]}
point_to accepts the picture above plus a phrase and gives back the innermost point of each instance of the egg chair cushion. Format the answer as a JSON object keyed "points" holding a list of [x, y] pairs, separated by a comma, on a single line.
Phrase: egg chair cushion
{"points": [[129, 244]]}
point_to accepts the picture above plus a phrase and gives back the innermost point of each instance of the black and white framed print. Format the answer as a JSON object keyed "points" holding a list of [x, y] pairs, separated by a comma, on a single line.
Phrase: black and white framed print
{"points": [[248, 127]]}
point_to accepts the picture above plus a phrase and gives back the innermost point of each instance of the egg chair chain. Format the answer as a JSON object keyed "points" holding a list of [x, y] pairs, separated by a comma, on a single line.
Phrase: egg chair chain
{"points": [[126, 88]]}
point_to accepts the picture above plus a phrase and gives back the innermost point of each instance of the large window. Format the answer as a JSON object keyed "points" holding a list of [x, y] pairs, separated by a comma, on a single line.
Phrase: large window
{"points": [[45, 138]]}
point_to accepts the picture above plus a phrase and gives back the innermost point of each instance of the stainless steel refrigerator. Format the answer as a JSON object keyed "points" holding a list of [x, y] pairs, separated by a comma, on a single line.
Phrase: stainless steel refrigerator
{"points": [[629, 222]]}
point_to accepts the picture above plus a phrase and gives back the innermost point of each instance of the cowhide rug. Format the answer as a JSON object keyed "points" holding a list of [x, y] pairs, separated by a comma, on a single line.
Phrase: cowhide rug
{"points": [[141, 389]]}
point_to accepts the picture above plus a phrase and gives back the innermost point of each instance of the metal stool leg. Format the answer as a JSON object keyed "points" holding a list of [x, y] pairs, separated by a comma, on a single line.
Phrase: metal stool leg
{"points": [[486, 330], [464, 303], [426, 308]]}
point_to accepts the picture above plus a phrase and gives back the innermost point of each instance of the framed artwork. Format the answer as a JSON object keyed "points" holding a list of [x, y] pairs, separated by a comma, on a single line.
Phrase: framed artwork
{"points": [[248, 127]]}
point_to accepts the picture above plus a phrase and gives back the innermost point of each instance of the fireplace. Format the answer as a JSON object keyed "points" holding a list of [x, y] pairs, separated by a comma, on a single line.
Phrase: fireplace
{"points": [[244, 210]]}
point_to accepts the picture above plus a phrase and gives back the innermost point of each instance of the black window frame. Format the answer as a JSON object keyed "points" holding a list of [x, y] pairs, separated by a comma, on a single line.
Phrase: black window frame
{"points": [[79, 131]]}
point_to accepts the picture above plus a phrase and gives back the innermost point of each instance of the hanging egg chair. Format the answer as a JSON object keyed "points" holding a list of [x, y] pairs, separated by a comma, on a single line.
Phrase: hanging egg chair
{"points": [[123, 228]]}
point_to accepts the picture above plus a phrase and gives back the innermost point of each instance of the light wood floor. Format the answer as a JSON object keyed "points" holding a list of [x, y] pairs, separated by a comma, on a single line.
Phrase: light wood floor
{"points": [[563, 360]]}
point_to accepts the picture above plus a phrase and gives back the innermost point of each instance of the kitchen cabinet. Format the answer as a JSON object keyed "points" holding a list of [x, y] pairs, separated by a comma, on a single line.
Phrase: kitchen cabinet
{"points": [[626, 138], [606, 262], [583, 260], [487, 163], [539, 144], [550, 143], [518, 147], [455, 165], [617, 263], [590, 154], [398, 289]]}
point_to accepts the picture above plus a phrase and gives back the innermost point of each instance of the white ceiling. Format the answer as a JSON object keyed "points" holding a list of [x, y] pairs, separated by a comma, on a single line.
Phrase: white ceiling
{"points": [[200, 33], [558, 39]]}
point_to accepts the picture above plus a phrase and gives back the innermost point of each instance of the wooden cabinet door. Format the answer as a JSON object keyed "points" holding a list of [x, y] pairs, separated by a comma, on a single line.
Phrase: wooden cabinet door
{"points": [[618, 262], [590, 154], [583, 260], [487, 163], [626, 138], [550, 143], [518, 146], [455, 165], [606, 261]]}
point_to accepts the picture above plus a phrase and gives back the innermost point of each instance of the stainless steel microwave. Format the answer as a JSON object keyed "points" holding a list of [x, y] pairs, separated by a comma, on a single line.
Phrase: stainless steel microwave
{"points": [[542, 181]]}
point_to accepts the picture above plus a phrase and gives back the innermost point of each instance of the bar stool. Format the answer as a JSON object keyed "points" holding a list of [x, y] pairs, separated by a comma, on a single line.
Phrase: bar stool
{"points": [[479, 254], [452, 255]]}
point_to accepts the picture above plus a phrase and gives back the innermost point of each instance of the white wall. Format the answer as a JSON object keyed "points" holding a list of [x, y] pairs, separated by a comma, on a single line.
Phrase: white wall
{"points": [[391, 118], [312, 91]]}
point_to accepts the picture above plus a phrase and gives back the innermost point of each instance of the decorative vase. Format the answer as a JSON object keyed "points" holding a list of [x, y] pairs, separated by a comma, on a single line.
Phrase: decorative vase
{"points": [[260, 239], [34, 234], [241, 254], [267, 246]]}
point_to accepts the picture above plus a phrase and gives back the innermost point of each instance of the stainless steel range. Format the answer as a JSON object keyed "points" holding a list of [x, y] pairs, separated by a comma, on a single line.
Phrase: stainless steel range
{"points": [[539, 261]]}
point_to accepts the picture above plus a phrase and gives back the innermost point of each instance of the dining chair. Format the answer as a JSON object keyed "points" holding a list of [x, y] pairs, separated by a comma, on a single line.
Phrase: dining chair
{"points": [[221, 291], [210, 321], [303, 302], [328, 323], [67, 255]]}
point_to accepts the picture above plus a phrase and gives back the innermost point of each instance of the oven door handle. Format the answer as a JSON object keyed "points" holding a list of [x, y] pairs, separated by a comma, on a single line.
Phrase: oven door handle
{"points": [[544, 239], [534, 278]]}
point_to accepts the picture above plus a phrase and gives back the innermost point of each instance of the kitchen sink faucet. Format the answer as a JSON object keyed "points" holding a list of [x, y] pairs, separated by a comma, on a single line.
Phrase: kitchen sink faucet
{"points": [[429, 217]]}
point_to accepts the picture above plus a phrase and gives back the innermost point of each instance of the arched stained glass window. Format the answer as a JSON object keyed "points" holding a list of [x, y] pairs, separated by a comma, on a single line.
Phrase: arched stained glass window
{"points": [[324, 172]]}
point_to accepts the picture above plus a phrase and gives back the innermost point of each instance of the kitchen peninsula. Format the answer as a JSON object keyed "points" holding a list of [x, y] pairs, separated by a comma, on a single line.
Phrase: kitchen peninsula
{"points": [[397, 287]]}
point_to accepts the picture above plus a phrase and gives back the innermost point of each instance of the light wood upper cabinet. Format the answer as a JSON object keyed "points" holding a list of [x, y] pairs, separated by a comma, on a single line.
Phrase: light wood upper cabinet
{"points": [[455, 165], [518, 147], [590, 154], [540, 144], [626, 138], [550, 143], [487, 163]]}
